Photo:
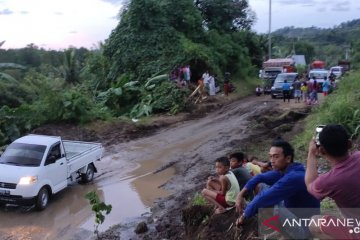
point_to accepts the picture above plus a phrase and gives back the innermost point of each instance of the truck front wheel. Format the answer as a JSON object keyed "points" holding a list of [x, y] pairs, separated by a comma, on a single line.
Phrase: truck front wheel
{"points": [[89, 175], [42, 199]]}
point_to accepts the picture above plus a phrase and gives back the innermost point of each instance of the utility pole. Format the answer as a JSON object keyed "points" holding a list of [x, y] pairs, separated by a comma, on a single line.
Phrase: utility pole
{"points": [[347, 51], [269, 29]]}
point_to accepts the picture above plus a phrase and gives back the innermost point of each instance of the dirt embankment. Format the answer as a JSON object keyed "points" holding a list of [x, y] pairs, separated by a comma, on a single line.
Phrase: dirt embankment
{"points": [[247, 124]]}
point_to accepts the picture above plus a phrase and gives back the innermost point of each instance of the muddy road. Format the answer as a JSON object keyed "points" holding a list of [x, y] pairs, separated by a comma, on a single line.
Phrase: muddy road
{"points": [[169, 164]]}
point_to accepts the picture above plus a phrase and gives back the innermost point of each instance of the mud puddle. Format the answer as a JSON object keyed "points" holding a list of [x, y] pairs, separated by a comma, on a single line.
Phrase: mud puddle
{"points": [[125, 179], [132, 174]]}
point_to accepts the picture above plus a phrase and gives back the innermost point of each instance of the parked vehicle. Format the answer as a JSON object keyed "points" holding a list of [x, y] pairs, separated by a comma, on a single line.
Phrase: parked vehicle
{"points": [[276, 89], [271, 68], [317, 64], [345, 64], [338, 71], [34, 167]]}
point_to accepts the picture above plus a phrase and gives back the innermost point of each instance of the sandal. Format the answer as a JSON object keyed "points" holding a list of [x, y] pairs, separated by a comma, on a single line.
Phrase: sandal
{"points": [[237, 222], [219, 210]]}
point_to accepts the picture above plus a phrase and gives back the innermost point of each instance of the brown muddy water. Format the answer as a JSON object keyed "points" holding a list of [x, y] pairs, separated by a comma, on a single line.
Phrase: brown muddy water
{"points": [[130, 177], [125, 180]]}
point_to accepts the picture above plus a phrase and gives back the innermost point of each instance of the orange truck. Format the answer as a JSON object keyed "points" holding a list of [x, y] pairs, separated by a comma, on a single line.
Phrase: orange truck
{"points": [[317, 64]]}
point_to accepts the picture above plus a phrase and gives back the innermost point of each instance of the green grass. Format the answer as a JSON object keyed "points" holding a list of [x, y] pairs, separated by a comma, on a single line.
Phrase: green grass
{"points": [[198, 200], [340, 107], [246, 86]]}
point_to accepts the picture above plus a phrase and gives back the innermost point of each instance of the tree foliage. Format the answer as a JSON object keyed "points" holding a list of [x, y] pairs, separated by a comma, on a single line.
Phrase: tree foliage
{"points": [[128, 74], [226, 15], [155, 36]]}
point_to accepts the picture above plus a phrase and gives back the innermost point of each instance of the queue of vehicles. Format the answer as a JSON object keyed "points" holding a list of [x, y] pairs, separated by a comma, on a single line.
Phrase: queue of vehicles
{"points": [[272, 67], [275, 71]]}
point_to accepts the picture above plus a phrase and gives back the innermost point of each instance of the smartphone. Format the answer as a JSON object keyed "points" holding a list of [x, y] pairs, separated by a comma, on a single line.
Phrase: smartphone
{"points": [[318, 130]]}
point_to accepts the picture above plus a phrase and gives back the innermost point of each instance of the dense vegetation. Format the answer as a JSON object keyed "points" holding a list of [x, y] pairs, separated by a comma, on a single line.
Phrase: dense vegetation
{"points": [[341, 107], [128, 74]]}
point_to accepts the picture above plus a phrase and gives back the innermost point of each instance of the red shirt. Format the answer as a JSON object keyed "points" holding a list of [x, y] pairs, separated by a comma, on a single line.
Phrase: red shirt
{"points": [[341, 184]]}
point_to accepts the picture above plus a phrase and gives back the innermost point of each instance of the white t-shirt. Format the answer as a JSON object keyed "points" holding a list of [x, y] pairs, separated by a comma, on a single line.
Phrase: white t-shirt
{"points": [[205, 77]]}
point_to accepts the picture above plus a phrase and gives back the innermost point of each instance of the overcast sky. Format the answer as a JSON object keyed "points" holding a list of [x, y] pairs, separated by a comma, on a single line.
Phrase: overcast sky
{"points": [[303, 13], [58, 24]]}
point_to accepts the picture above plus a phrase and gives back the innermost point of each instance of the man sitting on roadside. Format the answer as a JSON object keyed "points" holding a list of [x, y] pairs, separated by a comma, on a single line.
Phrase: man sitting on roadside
{"points": [[285, 187], [340, 183]]}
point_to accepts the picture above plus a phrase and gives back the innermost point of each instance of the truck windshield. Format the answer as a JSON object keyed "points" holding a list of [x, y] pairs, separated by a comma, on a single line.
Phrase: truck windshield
{"points": [[21, 154], [282, 77], [271, 73]]}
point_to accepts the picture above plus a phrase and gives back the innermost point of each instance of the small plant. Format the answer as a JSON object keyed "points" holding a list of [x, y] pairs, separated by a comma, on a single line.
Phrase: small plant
{"points": [[198, 200], [99, 208]]}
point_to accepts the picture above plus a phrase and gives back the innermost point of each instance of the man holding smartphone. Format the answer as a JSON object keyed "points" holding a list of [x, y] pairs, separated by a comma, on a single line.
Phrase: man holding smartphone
{"points": [[340, 183]]}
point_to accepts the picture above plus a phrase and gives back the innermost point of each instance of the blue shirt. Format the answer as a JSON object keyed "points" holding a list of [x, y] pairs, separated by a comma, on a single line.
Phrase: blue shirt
{"points": [[325, 86], [286, 86], [288, 187]]}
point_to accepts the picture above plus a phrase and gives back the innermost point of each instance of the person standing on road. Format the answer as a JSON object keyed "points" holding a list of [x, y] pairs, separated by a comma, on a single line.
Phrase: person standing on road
{"points": [[325, 86], [286, 90], [314, 90], [297, 89], [304, 91]]}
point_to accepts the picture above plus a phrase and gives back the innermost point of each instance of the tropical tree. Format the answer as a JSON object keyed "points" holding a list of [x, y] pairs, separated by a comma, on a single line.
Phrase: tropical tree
{"points": [[9, 94], [70, 68], [226, 15]]}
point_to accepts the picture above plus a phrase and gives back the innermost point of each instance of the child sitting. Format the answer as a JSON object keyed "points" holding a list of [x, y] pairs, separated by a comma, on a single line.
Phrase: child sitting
{"points": [[222, 192], [258, 90]]}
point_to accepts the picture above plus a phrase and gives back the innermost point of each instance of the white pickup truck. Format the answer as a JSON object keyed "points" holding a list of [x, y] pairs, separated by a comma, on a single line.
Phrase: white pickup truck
{"points": [[34, 167]]}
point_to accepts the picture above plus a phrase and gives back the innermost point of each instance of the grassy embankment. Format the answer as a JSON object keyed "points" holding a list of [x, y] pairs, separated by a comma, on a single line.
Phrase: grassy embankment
{"points": [[340, 107]]}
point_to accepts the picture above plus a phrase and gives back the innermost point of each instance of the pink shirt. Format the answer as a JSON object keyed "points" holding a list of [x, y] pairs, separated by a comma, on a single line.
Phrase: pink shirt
{"points": [[341, 184]]}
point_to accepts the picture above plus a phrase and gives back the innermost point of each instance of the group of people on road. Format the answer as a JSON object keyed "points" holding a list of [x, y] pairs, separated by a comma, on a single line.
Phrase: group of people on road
{"points": [[306, 90], [292, 192]]}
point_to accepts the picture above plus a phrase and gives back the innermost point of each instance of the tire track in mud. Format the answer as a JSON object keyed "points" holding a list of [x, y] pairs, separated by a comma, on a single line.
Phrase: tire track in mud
{"points": [[210, 137]]}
